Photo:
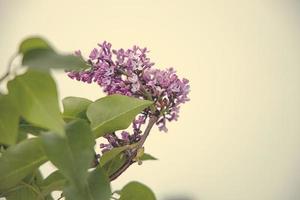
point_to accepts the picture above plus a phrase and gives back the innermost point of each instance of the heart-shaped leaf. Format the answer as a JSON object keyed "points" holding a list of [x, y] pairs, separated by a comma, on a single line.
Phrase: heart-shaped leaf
{"points": [[35, 95]]}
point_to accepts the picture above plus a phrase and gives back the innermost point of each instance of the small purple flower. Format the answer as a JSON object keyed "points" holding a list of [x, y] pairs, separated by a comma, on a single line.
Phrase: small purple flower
{"points": [[125, 136], [133, 78], [78, 53], [162, 125], [105, 147], [94, 54], [135, 87], [109, 71], [137, 123]]}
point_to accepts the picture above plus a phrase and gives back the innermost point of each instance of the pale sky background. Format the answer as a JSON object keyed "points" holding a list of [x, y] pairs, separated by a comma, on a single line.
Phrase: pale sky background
{"points": [[239, 137]]}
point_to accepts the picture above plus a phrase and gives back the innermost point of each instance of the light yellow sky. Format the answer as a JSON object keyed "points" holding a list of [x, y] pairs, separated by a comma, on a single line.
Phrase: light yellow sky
{"points": [[239, 137]]}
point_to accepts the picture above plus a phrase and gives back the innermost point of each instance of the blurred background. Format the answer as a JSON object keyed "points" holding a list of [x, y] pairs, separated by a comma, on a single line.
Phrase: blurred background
{"points": [[239, 136]]}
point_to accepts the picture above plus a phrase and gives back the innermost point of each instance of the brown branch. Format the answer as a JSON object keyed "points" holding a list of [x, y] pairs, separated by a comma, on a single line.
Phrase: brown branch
{"points": [[130, 161]]}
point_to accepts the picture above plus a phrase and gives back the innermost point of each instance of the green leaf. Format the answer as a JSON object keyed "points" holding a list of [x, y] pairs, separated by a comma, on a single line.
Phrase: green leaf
{"points": [[75, 107], [31, 129], [114, 112], [45, 59], [9, 119], [49, 197], [35, 95], [98, 187], [72, 154], [38, 53], [27, 188], [37, 177], [54, 182], [27, 127], [136, 191], [99, 184], [19, 161], [22, 193], [147, 156], [113, 165], [33, 43], [110, 155], [21, 136]]}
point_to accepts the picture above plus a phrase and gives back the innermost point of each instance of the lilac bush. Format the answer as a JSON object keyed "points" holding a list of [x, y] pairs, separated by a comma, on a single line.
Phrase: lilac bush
{"points": [[130, 72], [36, 131]]}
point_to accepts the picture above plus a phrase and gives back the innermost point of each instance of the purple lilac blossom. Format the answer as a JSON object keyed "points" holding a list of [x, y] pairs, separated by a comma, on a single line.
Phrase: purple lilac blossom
{"points": [[130, 72]]}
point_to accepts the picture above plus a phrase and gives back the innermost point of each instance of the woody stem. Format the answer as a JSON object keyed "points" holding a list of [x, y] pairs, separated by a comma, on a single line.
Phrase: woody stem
{"points": [[130, 161]]}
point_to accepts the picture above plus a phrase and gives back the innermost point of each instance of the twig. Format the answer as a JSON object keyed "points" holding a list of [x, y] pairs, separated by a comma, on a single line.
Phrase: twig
{"points": [[7, 73], [130, 161]]}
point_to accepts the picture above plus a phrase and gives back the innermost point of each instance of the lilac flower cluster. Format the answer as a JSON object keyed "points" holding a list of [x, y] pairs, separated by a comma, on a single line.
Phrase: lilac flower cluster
{"points": [[130, 72]]}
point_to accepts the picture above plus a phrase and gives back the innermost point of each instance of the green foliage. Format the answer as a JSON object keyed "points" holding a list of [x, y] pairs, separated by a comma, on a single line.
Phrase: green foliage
{"points": [[147, 156], [54, 182], [32, 43], [136, 191], [75, 107], [114, 112], [110, 155], [34, 131], [19, 161], [99, 184], [28, 188], [45, 59], [22, 135], [27, 127], [114, 164], [38, 54], [9, 119], [24, 193], [71, 154], [35, 95], [97, 187]]}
